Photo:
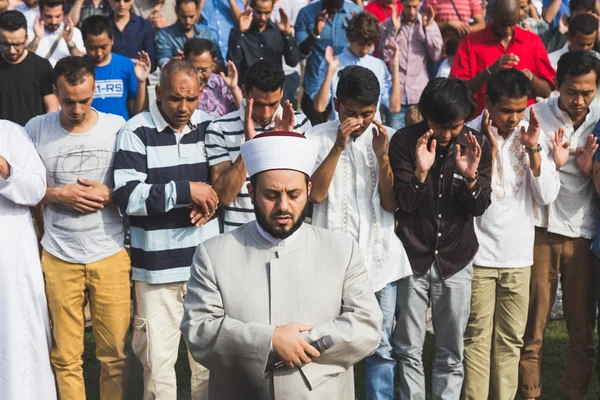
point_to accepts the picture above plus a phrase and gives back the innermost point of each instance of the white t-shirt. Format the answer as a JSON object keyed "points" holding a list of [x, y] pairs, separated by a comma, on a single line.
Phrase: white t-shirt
{"points": [[30, 14], [62, 50], [69, 235]]}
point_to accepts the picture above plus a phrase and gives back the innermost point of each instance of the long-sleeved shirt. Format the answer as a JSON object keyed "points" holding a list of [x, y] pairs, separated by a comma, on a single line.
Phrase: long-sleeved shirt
{"points": [[138, 35], [573, 213], [435, 218], [216, 14], [154, 166], [374, 64], [417, 45], [172, 38], [246, 48], [506, 230], [333, 34]]}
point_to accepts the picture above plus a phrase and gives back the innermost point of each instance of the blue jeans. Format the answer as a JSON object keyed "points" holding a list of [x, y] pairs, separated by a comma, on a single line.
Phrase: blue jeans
{"points": [[380, 368], [290, 89], [395, 120], [450, 300]]}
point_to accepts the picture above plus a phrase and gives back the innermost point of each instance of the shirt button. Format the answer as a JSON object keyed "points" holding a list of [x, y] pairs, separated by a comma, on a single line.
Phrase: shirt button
{"points": [[439, 215], [281, 244], [441, 155], [473, 193], [242, 35], [440, 234], [436, 252], [441, 175], [261, 58], [261, 45], [440, 195]]}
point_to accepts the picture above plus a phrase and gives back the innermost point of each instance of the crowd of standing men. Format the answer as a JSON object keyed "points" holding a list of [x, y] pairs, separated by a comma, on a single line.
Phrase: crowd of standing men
{"points": [[448, 150]]}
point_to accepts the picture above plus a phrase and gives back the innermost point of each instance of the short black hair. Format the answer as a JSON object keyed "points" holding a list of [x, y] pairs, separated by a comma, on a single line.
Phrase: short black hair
{"points": [[577, 63], [12, 21], [578, 5], [52, 4], [446, 100], [452, 46], [96, 25], [197, 47], [358, 83], [511, 83], [584, 23], [363, 28], [179, 3], [73, 69], [265, 75]]}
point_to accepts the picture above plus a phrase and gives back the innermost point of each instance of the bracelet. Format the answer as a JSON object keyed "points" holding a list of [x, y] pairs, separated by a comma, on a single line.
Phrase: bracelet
{"points": [[487, 69], [317, 37], [533, 150], [473, 179]]}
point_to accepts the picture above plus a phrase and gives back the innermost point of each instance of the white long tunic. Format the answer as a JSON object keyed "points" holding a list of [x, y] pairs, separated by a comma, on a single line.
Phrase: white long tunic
{"points": [[25, 371]]}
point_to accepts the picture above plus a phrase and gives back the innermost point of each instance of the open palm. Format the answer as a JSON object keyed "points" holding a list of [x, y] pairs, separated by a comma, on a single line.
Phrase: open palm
{"points": [[467, 160]]}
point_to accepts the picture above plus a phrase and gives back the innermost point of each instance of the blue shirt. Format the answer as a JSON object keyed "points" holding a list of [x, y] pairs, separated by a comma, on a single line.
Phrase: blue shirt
{"points": [[216, 14], [138, 35], [115, 85], [564, 9], [374, 64], [172, 38], [333, 34]]}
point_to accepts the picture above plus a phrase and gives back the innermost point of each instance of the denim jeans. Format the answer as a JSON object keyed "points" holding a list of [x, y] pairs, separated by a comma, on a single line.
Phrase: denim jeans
{"points": [[380, 368], [395, 120], [450, 300], [290, 89]]}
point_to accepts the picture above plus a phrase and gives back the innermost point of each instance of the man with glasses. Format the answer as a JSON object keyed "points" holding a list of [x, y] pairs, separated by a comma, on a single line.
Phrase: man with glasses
{"points": [[25, 78]]}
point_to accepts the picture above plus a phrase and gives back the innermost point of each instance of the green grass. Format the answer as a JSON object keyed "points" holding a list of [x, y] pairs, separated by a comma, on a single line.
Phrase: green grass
{"points": [[555, 349]]}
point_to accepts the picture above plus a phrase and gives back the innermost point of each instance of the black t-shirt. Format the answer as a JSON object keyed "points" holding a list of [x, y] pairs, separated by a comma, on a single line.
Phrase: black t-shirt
{"points": [[22, 87]]}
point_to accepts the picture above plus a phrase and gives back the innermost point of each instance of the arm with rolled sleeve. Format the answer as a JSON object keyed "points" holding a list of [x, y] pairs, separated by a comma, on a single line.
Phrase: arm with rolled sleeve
{"points": [[148, 44], [164, 47], [222, 344], [408, 190], [291, 52], [132, 194], [235, 52], [545, 187], [478, 198], [302, 32], [434, 41], [356, 332]]}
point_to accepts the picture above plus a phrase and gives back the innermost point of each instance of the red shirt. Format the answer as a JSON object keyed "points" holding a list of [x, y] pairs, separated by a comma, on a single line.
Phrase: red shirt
{"points": [[480, 50], [380, 10]]}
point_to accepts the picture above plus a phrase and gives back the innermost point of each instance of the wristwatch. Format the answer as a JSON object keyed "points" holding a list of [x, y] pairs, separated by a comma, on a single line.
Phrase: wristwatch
{"points": [[315, 36], [473, 179], [532, 150], [71, 45]]}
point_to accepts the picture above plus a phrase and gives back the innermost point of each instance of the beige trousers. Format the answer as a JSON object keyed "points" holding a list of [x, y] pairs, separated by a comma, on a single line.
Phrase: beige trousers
{"points": [[156, 337]]}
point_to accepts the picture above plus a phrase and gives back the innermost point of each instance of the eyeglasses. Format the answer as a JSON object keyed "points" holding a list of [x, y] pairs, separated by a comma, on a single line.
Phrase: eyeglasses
{"points": [[8, 45]]}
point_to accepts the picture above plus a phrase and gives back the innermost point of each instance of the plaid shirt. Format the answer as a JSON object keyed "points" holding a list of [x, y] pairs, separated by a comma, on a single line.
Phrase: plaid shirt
{"points": [[88, 9]]}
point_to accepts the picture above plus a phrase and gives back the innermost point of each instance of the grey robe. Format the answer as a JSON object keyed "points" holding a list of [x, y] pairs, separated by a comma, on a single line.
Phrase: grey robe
{"points": [[242, 287]]}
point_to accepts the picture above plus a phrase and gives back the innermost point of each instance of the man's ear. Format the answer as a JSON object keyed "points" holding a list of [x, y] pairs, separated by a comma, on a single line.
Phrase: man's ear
{"points": [[488, 103], [55, 90], [309, 189], [244, 92], [157, 92], [336, 105], [250, 192]]}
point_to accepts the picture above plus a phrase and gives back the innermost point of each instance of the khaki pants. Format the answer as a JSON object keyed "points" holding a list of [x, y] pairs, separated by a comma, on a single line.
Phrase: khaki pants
{"points": [[574, 259], [108, 286], [494, 335], [156, 337]]}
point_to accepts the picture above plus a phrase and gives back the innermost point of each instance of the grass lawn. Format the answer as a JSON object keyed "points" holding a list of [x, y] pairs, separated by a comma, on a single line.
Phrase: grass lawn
{"points": [[555, 349]]}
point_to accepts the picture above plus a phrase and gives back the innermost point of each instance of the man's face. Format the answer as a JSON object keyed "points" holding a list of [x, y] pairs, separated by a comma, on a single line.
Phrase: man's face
{"points": [[178, 98], [581, 41], [261, 13], [360, 50], [53, 17], [98, 48], [121, 7], [265, 105], [445, 134], [204, 63], [503, 26], [31, 3], [280, 201], [332, 6], [524, 7], [506, 113], [410, 9], [355, 109], [577, 93], [186, 16], [75, 100], [13, 44]]}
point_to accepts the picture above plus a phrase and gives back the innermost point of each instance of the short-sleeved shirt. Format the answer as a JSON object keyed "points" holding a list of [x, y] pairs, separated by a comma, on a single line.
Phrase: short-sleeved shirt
{"points": [[69, 235], [115, 85], [480, 50], [62, 50], [23, 87], [444, 10]]}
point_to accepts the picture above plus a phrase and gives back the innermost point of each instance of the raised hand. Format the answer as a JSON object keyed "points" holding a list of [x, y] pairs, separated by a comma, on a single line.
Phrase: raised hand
{"points": [[395, 63], [246, 19], [286, 122], [231, 79], [68, 30], [157, 18], [142, 66], [467, 160], [530, 137], [396, 20], [290, 347], [380, 140], [284, 23], [333, 63], [585, 157], [506, 61], [38, 27], [563, 24], [425, 156], [428, 15], [462, 28], [560, 150], [486, 129], [344, 132], [249, 131], [320, 21]]}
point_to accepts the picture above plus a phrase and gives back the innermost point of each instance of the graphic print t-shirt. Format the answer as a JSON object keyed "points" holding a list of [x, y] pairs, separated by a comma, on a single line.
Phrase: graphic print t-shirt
{"points": [[115, 84], [69, 235]]}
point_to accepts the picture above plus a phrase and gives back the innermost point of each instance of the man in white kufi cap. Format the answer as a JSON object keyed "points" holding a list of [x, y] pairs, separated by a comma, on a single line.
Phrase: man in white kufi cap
{"points": [[260, 295]]}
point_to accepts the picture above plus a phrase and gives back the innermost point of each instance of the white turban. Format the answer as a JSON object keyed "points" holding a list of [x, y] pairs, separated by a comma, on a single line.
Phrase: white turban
{"points": [[279, 150]]}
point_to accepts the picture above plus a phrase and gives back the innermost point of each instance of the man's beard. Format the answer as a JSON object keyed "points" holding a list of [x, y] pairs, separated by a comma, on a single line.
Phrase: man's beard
{"points": [[261, 218]]}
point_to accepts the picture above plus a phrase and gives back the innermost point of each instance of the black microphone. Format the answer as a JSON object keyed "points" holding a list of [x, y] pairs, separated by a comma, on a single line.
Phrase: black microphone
{"points": [[321, 344]]}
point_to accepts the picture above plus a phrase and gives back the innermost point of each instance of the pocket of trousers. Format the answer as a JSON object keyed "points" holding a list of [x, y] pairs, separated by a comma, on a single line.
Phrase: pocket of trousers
{"points": [[140, 341]]}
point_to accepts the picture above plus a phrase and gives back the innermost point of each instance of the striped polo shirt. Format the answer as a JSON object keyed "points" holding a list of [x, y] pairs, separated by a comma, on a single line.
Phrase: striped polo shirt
{"points": [[154, 166], [223, 140], [445, 11]]}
